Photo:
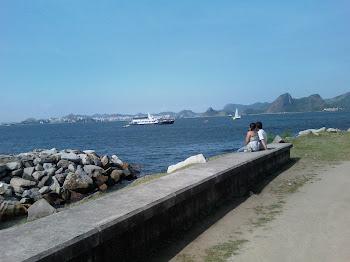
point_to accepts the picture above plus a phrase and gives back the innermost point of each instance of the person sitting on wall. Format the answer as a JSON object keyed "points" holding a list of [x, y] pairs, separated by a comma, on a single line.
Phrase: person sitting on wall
{"points": [[251, 141], [262, 136]]}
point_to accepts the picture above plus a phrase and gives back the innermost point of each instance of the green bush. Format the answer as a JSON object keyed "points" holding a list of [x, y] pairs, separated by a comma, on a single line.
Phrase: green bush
{"points": [[287, 133], [270, 137]]}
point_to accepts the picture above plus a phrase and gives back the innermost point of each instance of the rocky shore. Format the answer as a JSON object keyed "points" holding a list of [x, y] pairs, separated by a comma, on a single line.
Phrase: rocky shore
{"points": [[52, 178]]}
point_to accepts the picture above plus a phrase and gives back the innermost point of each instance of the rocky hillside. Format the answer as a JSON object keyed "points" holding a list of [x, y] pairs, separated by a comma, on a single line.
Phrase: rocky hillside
{"points": [[259, 107], [186, 114], [342, 101], [285, 103], [211, 112]]}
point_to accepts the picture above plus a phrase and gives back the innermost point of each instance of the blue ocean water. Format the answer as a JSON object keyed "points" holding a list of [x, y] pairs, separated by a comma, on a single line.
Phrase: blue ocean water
{"points": [[157, 147]]}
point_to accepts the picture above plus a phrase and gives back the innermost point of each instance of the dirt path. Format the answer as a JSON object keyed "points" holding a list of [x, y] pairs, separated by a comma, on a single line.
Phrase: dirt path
{"points": [[301, 215]]}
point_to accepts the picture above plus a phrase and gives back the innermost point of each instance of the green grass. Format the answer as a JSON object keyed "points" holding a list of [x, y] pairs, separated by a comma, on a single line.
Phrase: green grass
{"points": [[184, 258], [286, 134], [327, 147], [220, 252], [218, 156], [145, 179], [267, 213]]}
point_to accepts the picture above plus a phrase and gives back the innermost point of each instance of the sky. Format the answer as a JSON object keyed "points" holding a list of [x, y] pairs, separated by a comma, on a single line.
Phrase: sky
{"points": [[86, 56]]}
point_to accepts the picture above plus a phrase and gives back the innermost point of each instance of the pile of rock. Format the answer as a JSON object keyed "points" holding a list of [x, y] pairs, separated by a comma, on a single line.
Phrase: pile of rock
{"points": [[316, 132], [56, 176]]}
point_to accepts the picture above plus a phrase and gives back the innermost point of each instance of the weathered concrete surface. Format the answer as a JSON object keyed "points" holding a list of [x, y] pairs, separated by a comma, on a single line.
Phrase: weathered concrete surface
{"points": [[126, 225]]}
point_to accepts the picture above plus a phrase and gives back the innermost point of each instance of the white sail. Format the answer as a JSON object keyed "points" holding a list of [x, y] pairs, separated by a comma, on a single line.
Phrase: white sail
{"points": [[237, 116]]}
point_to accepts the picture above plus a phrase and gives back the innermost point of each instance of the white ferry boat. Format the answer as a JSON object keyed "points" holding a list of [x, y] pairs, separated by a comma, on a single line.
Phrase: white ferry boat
{"points": [[150, 120]]}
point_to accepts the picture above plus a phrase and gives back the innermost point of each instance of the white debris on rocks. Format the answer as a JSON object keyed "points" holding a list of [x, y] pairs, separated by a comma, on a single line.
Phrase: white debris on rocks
{"points": [[197, 159], [56, 176]]}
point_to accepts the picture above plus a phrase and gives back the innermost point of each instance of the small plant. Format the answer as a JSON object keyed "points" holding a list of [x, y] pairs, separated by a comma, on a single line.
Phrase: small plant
{"points": [[286, 134], [221, 252], [270, 137]]}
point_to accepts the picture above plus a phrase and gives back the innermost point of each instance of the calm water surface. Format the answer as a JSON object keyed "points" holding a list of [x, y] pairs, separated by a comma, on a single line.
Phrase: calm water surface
{"points": [[157, 147]]}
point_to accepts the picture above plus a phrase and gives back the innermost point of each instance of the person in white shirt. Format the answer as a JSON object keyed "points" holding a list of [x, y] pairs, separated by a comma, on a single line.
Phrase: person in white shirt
{"points": [[262, 136]]}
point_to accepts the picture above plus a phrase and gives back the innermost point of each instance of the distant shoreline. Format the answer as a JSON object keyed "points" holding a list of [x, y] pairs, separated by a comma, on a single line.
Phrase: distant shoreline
{"points": [[43, 122]]}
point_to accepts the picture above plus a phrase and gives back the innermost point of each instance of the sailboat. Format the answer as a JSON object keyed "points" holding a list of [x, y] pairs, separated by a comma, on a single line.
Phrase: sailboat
{"points": [[237, 116]]}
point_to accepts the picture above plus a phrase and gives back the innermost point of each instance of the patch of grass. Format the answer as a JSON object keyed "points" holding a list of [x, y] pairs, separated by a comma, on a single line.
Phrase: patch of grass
{"points": [[184, 258], [185, 167], [221, 252], [145, 179], [218, 156], [330, 147], [267, 213], [289, 186]]}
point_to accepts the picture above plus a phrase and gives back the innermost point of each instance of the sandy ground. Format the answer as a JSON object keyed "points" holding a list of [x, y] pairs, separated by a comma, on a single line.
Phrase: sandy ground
{"points": [[311, 224]]}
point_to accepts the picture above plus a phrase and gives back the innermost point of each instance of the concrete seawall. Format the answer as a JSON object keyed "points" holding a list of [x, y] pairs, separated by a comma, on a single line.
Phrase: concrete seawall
{"points": [[126, 225]]}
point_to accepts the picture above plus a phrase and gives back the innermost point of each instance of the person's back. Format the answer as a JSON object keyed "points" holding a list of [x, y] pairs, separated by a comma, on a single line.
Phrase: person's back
{"points": [[254, 144], [262, 136]]}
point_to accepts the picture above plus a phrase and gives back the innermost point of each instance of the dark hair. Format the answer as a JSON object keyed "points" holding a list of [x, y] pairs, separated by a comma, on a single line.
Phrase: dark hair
{"points": [[252, 126], [259, 125]]}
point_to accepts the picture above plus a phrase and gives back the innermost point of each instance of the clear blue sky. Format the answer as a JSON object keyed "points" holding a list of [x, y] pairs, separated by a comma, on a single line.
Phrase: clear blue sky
{"points": [[86, 57]]}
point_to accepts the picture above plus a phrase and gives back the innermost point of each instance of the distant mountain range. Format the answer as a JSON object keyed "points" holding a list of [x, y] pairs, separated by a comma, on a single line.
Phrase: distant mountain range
{"points": [[284, 103]]}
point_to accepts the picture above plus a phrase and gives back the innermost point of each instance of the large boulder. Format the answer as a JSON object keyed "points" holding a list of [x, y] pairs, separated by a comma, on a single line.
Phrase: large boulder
{"points": [[116, 161], [28, 171], [17, 172], [116, 175], [70, 157], [305, 132], [46, 159], [49, 152], [197, 159], [63, 163], [20, 182], [99, 176], [45, 181], [79, 183], [94, 157], [278, 139], [105, 161], [89, 169], [33, 194], [39, 167], [38, 175], [61, 177], [18, 190], [10, 208], [6, 189], [48, 165], [322, 129], [14, 165], [54, 184], [39, 209], [85, 159], [2, 167], [333, 130], [79, 170], [44, 190]]}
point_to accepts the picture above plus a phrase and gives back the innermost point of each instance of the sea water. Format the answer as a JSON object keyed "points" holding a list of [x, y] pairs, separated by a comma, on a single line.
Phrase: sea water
{"points": [[156, 147]]}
